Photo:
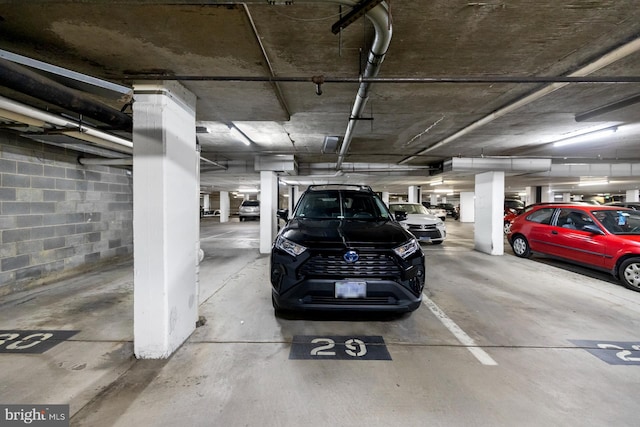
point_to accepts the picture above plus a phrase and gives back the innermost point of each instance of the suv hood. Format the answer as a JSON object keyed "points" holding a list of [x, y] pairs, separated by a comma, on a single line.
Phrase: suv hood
{"points": [[421, 219], [347, 233]]}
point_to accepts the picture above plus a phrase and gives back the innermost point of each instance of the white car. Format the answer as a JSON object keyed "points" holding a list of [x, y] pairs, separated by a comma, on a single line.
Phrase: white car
{"points": [[420, 222], [440, 213]]}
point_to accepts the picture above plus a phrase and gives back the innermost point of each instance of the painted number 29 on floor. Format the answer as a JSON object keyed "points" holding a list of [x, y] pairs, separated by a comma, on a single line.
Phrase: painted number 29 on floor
{"points": [[339, 348]]}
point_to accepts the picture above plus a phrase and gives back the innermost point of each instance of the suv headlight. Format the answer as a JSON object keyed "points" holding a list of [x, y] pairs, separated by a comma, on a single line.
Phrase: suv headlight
{"points": [[289, 247], [407, 249]]}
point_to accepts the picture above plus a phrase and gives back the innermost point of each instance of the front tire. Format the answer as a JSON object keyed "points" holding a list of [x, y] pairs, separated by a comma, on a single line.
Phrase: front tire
{"points": [[630, 273], [521, 247]]}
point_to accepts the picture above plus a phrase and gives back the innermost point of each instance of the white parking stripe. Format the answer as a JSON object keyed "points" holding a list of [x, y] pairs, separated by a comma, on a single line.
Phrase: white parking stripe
{"points": [[460, 335]]}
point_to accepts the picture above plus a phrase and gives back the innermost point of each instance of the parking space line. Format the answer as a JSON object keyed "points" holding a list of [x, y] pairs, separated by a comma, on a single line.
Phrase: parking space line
{"points": [[460, 335]]}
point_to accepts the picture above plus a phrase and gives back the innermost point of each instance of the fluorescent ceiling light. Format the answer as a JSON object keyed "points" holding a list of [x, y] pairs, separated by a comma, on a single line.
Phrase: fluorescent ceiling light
{"points": [[589, 136], [248, 190], [587, 182], [443, 190], [437, 182], [239, 135]]}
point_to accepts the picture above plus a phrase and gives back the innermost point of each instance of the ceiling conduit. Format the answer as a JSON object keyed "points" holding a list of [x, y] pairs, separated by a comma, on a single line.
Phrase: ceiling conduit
{"points": [[381, 20], [22, 79], [608, 59]]}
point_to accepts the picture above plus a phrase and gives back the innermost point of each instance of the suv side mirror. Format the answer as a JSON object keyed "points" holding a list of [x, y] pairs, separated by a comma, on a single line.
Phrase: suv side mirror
{"points": [[283, 214], [400, 215]]}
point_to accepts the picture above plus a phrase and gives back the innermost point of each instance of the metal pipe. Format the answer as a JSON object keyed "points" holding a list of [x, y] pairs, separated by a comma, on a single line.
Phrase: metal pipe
{"points": [[22, 79], [38, 116]]}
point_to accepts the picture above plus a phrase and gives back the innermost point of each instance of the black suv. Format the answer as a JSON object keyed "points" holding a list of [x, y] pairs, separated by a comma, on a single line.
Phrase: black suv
{"points": [[343, 250]]}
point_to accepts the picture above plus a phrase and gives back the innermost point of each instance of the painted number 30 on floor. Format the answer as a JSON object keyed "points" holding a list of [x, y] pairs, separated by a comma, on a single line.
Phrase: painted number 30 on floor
{"points": [[339, 348]]}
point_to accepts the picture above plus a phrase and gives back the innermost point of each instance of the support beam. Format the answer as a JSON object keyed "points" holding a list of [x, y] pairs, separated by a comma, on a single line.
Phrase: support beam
{"points": [[165, 218], [489, 211]]}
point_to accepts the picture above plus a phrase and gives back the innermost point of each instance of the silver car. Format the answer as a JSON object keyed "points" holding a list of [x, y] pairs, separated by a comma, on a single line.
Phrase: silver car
{"points": [[420, 222], [249, 209]]}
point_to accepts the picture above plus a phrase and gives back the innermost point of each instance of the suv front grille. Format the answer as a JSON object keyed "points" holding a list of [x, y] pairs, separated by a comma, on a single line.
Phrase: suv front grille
{"points": [[369, 265]]}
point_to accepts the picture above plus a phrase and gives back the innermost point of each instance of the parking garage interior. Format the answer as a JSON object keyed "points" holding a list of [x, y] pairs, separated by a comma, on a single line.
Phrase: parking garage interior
{"points": [[131, 292]]}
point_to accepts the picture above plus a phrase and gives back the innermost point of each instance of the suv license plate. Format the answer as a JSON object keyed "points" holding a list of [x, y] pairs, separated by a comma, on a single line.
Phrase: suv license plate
{"points": [[351, 289]]}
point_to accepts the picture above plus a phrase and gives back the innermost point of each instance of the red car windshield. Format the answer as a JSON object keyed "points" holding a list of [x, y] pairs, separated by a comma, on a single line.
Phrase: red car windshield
{"points": [[619, 222]]}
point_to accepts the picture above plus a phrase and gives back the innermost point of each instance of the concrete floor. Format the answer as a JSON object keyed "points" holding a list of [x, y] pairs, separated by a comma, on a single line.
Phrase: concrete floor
{"points": [[493, 345]]}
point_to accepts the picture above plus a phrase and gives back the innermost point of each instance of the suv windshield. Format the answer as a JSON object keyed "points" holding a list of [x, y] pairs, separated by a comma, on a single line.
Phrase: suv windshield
{"points": [[340, 204]]}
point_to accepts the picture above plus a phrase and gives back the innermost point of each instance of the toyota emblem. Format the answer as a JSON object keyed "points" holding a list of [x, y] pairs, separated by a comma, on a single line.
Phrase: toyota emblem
{"points": [[351, 257]]}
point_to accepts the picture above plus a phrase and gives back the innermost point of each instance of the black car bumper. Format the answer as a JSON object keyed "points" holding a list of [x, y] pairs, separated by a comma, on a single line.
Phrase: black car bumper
{"points": [[293, 290]]}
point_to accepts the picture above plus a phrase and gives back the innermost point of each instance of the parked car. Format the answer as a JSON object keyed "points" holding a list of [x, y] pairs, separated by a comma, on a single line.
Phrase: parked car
{"points": [[439, 212], [420, 222], [631, 205], [448, 207], [343, 250], [510, 214], [601, 237], [249, 209]]}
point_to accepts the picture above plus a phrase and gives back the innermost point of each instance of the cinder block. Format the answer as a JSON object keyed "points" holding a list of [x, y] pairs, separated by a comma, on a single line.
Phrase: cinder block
{"points": [[41, 182], [54, 243], [17, 181], [65, 184], [14, 263], [29, 273], [54, 171], [15, 208], [75, 173], [43, 207], [43, 232], [30, 246], [18, 235], [30, 169], [7, 166], [53, 196], [24, 221], [28, 195], [8, 194], [8, 250]]}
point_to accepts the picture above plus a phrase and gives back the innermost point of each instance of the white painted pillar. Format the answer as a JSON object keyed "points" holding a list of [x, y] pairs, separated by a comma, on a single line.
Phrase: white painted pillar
{"points": [[165, 218], [385, 197], [297, 193], [632, 196], [577, 197], [433, 199], [412, 194], [531, 195], [546, 195], [467, 206], [489, 211], [206, 202], [291, 200], [268, 206], [225, 206], [566, 197]]}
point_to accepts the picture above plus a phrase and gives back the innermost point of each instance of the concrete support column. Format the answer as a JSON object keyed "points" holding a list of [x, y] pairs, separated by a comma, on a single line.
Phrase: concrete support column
{"points": [[206, 202], [632, 196], [268, 206], [489, 208], [545, 194], [225, 206], [433, 199], [291, 200], [165, 218], [467, 206], [566, 197], [385, 197], [412, 194], [531, 195]]}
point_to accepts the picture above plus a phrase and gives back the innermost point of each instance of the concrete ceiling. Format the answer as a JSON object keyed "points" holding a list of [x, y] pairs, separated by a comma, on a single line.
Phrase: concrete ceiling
{"points": [[488, 79]]}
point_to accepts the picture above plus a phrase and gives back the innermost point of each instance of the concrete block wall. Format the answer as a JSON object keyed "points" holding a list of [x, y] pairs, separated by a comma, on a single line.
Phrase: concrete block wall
{"points": [[58, 217]]}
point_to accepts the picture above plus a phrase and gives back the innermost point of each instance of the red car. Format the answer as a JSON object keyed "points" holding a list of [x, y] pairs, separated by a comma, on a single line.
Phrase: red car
{"points": [[601, 237]]}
